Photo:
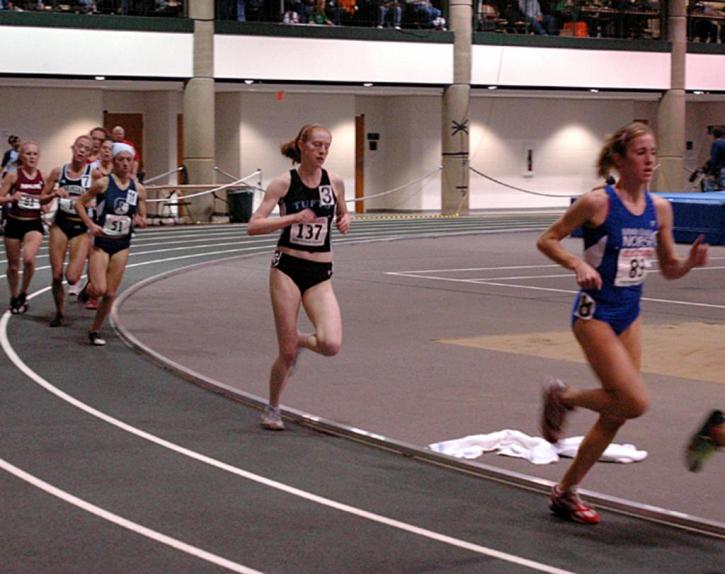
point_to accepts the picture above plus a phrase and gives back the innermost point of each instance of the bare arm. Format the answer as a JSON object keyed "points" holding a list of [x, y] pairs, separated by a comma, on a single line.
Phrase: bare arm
{"points": [[98, 186], [49, 191], [261, 222], [589, 208], [343, 215], [7, 184], [671, 266], [141, 209]]}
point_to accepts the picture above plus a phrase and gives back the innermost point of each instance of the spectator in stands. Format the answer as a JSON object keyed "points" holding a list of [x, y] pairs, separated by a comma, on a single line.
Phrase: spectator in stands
{"points": [[303, 9], [542, 24], [384, 7], [290, 16], [426, 14], [702, 29], [118, 134], [319, 15], [347, 9], [10, 158], [168, 8]]}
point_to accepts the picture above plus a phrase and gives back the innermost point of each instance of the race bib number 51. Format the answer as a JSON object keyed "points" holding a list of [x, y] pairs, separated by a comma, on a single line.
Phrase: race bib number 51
{"points": [[116, 225], [312, 234]]}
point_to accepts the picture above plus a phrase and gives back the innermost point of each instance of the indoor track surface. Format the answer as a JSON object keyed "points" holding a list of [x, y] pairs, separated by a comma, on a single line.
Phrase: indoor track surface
{"points": [[113, 463]]}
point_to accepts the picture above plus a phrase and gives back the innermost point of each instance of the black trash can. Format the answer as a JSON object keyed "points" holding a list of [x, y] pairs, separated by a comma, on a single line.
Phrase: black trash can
{"points": [[240, 205]]}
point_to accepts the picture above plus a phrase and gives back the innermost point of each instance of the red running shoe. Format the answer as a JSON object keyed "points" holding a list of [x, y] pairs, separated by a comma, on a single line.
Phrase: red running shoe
{"points": [[92, 303], [567, 504], [553, 411]]}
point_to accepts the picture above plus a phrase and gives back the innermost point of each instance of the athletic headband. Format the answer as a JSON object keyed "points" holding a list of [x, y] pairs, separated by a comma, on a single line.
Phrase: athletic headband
{"points": [[121, 147]]}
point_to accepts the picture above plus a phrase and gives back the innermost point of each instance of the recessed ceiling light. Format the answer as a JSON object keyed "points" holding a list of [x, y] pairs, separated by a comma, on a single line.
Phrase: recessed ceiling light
{"points": [[368, 84], [100, 78], [493, 87], [248, 82], [594, 91]]}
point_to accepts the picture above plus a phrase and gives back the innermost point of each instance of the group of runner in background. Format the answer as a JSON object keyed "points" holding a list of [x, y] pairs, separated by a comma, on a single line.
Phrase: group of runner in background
{"points": [[89, 206]]}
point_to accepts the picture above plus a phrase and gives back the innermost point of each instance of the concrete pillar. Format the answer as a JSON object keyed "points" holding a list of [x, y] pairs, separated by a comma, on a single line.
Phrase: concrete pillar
{"points": [[670, 176], [456, 124], [199, 108]]}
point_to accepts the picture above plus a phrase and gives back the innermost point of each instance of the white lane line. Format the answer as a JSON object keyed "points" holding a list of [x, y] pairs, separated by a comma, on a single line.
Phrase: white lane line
{"points": [[380, 519], [495, 268], [124, 522], [549, 289], [568, 275]]}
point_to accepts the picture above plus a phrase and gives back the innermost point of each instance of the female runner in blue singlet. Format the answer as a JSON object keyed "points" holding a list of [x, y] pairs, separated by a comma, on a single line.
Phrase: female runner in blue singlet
{"points": [[120, 205], [624, 229], [309, 200]]}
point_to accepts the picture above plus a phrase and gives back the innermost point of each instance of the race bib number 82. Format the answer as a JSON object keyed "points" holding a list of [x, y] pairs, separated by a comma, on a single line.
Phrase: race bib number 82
{"points": [[632, 265]]}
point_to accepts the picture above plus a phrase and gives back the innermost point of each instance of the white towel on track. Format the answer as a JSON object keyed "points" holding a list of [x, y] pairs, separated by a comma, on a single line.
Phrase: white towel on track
{"points": [[534, 449]]}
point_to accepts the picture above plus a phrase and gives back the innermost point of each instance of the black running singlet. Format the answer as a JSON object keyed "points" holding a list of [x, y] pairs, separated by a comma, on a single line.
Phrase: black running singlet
{"points": [[75, 186], [315, 235]]}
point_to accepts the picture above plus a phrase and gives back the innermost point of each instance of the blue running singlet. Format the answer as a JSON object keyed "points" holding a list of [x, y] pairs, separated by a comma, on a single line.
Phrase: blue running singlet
{"points": [[621, 249]]}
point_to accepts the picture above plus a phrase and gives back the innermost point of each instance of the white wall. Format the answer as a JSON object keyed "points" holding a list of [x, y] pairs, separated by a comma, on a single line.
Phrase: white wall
{"points": [[228, 109], [64, 51], [72, 52], [574, 68], [160, 137], [565, 135], [55, 118], [267, 122]]}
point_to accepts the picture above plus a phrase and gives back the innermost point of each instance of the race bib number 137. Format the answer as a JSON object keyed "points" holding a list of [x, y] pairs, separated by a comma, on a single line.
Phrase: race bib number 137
{"points": [[313, 233]]}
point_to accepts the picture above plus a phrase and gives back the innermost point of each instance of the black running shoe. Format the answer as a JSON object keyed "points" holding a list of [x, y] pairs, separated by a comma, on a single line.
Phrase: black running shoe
{"points": [[95, 339], [704, 443], [57, 320], [22, 303], [19, 304], [83, 296]]}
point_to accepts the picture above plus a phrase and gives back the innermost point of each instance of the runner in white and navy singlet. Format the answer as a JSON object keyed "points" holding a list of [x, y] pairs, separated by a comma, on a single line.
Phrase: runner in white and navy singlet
{"points": [[67, 217], [68, 234], [115, 211], [120, 204]]}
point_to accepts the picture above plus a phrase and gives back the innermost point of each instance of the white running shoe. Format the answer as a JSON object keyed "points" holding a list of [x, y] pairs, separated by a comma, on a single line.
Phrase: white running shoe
{"points": [[272, 418], [73, 290]]}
